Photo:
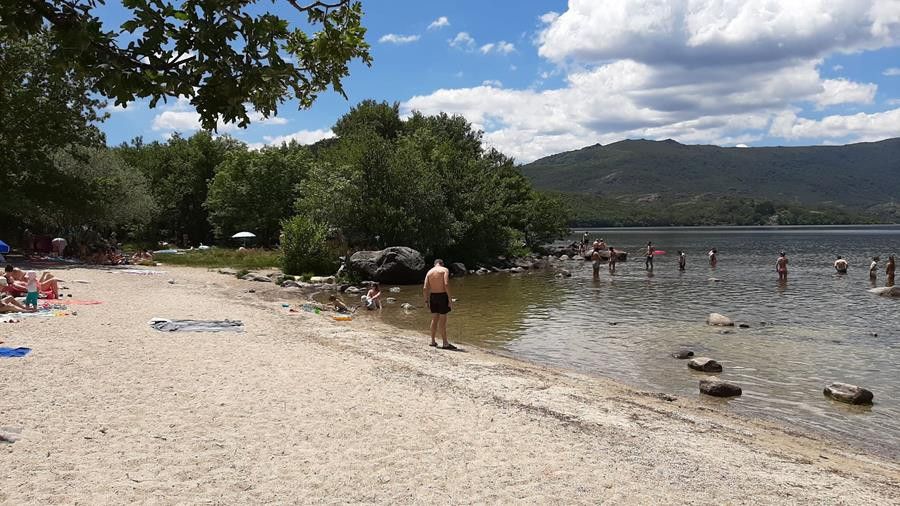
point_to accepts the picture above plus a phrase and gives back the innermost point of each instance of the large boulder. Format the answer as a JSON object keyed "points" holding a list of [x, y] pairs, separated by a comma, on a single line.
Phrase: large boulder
{"points": [[851, 394], [457, 269], [705, 364], [397, 264], [719, 320], [886, 291], [719, 388]]}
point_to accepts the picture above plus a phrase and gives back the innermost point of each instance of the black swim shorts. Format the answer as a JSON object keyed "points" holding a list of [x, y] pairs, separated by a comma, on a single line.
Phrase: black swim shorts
{"points": [[439, 303]]}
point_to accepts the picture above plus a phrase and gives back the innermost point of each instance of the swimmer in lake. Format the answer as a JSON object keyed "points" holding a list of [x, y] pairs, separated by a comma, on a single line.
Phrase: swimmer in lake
{"points": [[682, 260], [612, 260], [840, 265], [889, 270], [781, 266], [595, 259]]}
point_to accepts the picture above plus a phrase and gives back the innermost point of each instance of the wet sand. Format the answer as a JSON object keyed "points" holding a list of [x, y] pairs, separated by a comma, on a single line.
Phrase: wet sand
{"points": [[300, 409]]}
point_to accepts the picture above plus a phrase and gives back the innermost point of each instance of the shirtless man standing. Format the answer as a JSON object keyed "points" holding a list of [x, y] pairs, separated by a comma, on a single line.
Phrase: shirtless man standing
{"points": [[781, 266], [890, 269], [437, 296], [595, 258], [840, 265]]}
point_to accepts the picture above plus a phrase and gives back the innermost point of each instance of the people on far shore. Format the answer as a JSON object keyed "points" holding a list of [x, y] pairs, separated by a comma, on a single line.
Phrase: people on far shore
{"points": [[713, 257], [781, 266], [682, 260], [873, 268], [436, 291], [840, 265], [612, 260], [648, 262], [889, 270]]}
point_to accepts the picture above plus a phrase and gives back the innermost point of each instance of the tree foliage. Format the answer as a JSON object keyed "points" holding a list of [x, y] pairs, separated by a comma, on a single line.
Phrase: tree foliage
{"points": [[221, 54], [255, 190], [179, 172], [305, 247], [426, 182], [43, 109]]}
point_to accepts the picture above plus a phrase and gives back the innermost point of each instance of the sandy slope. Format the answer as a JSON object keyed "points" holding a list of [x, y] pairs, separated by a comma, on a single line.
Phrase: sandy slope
{"points": [[299, 409]]}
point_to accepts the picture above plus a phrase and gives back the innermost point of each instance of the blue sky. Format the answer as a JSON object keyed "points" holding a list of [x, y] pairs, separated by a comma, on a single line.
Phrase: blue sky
{"points": [[540, 77]]}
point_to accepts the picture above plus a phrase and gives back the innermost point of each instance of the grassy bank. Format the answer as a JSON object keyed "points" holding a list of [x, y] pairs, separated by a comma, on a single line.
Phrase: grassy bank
{"points": [[249, 259]]}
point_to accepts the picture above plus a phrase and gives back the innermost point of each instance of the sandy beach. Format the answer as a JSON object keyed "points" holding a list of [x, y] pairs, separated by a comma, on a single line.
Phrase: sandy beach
{"points": [[301, 409]]}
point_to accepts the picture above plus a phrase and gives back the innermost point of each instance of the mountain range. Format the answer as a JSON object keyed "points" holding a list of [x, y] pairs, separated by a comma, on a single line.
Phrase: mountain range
{"points": [[860, 181]]}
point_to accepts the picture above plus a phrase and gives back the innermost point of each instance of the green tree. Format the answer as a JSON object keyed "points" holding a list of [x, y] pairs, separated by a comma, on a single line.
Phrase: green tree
{"points": [[256, 190], [305, 247], [104, 193], [43, 109], [179, 172], [224, 55]]}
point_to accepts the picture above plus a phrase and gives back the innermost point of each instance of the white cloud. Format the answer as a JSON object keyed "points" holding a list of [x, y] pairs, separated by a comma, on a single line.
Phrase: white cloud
{"points": [[463, 41], [702, 32], [742, 145], [893, 101], [842, 91], [707, 71], [513, 68], [393, 38], [182, 117], [549, 17], [837, 68], [300, 136], [501, 47], [492, 82], [439, 23], [855, 127], [891, 72]]}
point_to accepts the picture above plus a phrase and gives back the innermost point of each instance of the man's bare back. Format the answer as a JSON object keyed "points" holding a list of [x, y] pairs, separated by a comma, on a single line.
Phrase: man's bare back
{"points": [[437, 279]]}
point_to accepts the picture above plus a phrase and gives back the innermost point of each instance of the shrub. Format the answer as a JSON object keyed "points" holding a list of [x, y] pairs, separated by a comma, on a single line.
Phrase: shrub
{"points": [[304, 247]]}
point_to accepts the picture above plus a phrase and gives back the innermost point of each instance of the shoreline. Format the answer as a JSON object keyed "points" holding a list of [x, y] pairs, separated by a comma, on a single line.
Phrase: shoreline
{"points": [[299, 408]]}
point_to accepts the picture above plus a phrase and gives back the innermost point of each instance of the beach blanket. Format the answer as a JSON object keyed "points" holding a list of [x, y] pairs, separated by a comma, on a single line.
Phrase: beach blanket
{"points": [[165, 325], [77, 302], [137, 272], [13, 352]]}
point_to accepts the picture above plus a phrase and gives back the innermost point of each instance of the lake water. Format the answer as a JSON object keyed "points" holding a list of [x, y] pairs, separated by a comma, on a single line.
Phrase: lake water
{"points": [[816, 328]]}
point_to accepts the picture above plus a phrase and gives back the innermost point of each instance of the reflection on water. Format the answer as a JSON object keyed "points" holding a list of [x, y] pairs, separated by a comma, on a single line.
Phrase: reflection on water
{"points": [[815, 328]]}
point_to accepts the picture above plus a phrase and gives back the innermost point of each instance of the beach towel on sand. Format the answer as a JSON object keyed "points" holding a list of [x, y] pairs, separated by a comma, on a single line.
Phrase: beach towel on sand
{"points": [[165, 325], [14, 352]]}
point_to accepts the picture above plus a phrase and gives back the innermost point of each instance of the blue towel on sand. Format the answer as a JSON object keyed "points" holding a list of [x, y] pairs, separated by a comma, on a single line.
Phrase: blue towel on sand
{"points": [[14, 352]]}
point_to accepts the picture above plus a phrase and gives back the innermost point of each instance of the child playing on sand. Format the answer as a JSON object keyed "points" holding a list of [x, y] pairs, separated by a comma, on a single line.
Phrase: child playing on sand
{"points": [[31, 297]]}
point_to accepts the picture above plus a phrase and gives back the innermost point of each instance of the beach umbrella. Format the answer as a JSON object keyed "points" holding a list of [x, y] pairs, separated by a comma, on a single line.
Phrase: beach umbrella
{"points": [[243, 236], [4, 248]]}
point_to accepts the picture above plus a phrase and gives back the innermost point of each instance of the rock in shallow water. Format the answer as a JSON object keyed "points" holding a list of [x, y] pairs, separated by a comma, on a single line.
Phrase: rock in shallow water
{"points": [[719, 388], [683, 354], [851, 394], [705, 364], [719, 320]]}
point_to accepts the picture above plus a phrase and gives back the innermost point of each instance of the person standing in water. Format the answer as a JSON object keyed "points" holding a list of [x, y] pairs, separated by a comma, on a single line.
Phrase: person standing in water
{"points": [[781, 266], [437, 296], [840, 265], [595, 259], [873, 268], [889, 270], [682, 260], [612, 260], [648, 263], [713, 257]]}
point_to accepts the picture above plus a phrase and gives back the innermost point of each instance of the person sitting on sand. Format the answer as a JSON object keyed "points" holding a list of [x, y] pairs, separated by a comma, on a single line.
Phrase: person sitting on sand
{"points": [[8, 303], [338, 304], [612, 260], [889, 270], [373, 297], [47, 283], [840, 265]]}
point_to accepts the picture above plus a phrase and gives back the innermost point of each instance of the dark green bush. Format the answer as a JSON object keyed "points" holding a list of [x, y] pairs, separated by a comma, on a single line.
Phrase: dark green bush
{"points": [[304, 247]]}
